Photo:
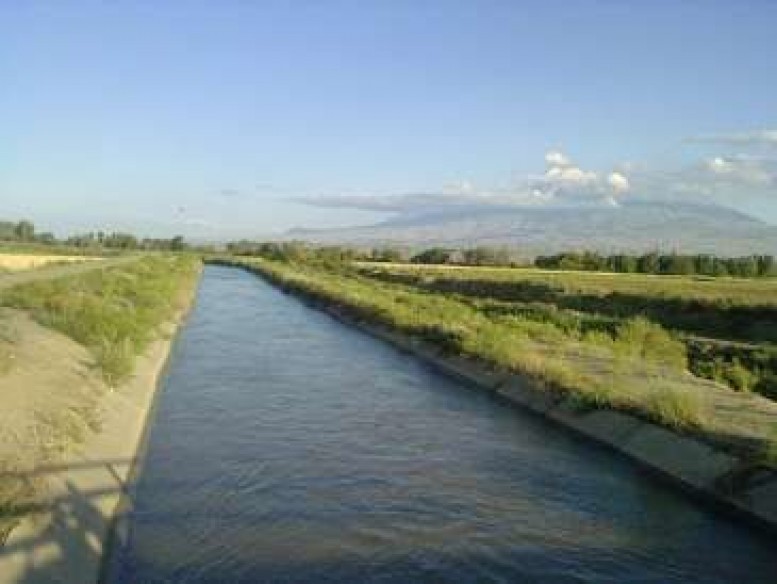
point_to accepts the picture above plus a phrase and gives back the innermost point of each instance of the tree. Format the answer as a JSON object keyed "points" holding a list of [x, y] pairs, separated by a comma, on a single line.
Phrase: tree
{"points": [[435, 255], [386, 254], [648, 263], [177, 243], [118, 240], [485, 256], [24, 231], [46, 238], [679, 264], [766, 266]]}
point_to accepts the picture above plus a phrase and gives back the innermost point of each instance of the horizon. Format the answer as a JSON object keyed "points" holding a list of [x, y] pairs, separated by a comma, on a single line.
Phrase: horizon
{"points": [[247, 121]]}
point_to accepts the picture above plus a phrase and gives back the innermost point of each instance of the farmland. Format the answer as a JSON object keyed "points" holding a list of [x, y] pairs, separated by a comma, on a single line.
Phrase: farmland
{"points": [[729, 325]]}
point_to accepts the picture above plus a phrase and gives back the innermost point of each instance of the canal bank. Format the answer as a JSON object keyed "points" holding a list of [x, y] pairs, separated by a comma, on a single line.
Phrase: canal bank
{"points": [[68, 533], [715, 476]]}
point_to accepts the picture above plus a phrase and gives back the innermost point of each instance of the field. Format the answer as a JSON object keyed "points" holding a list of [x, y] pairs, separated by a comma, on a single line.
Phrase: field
{"points": [[14, 262], [517, 320], [729, 325], [722, 290]]}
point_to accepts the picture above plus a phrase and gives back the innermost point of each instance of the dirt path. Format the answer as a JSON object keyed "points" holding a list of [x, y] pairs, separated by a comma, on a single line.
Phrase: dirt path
{"points": [[45, 273]]}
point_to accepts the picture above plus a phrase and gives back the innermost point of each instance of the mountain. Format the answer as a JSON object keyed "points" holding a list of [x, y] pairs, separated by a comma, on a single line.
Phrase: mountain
{"points": [[634, 226]]}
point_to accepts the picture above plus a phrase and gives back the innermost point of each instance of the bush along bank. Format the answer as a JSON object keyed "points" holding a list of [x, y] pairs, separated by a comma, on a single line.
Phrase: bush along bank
{"points": [[630, 389]]}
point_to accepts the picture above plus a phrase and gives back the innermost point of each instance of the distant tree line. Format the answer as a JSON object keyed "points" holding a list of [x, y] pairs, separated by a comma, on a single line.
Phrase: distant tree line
{"points": [[297, 251], [124, 241], [300, 251], [666, 264], [24, 232], [475, 256]]}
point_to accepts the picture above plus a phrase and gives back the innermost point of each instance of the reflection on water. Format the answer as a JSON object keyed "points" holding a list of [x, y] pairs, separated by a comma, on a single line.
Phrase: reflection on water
{"points": [[289, 448]]}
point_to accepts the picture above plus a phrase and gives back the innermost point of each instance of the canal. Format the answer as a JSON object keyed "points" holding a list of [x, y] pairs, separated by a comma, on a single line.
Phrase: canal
{"points": [[287, 447]]}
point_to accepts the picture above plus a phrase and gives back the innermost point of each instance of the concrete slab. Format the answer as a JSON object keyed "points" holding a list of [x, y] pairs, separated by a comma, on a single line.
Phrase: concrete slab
{"points": [[688, 461], [607, 426], [763, 501], [470, 371], [518, 390]]}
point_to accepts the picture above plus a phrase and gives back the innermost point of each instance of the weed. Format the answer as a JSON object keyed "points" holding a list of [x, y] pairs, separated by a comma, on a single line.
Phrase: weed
{"points": [[676, 408]]}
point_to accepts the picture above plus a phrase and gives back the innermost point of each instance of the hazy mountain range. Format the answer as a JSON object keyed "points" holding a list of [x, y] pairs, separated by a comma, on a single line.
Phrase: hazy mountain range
{"points": [[632, 226]]}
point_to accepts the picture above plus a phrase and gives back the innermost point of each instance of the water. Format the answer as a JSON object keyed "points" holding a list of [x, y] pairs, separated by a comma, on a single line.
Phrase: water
{"points": [[290, 448]]}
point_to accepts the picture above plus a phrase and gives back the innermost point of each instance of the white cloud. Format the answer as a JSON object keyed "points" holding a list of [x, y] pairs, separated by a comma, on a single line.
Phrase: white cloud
{"points": [[462, 187], [732, 179], [719, 165], [570, 174], [618, 182], [563, 182], [742, 169], [556, 158]]}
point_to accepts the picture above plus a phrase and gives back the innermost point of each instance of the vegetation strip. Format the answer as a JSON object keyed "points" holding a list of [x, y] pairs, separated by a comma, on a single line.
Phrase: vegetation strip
{"points": [[637, 372], [116, 312], [729, 326]]}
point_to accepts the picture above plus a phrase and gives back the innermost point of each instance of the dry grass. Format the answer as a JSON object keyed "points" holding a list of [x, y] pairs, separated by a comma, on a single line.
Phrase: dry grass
{"points": [[7, 338], [15, 262]]}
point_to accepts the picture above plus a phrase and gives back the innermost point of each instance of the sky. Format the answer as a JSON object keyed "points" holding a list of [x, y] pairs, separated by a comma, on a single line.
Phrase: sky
{"points": [[239, 119]]}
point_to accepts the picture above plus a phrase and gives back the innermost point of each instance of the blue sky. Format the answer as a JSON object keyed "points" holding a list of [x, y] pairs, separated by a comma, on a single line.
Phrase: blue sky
{"points": [[215, 118]]}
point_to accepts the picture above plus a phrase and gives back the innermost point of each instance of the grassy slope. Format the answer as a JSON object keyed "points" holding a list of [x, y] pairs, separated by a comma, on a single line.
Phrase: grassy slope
{"points": [[115, 312], [637, 366]]}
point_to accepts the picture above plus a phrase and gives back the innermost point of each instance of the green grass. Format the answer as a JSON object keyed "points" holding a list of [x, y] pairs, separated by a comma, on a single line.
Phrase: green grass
{"points": [[114, 311], [729, 325]]}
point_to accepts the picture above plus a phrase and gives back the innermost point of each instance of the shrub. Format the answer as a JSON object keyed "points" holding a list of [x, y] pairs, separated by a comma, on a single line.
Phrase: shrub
{"points": [[640, 338], [738, 376], [676, 408], [115, 359]]}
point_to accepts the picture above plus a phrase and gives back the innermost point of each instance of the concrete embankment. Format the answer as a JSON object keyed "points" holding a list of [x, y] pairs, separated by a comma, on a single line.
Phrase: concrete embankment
{"points": [[709, 474], [67, 538]]}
